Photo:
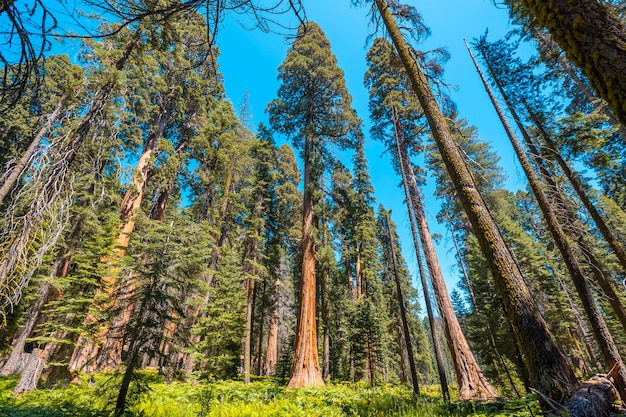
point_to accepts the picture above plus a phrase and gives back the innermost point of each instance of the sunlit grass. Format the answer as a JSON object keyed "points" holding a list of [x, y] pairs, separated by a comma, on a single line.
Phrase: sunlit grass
{"points": [[264, 397]]}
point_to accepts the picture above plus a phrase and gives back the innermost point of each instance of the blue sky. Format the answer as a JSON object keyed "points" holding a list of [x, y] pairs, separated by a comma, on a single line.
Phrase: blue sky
{"points": [[249, 62]]}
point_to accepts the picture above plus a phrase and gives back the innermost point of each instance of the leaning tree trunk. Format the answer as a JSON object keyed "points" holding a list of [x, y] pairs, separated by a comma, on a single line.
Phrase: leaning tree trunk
{"points": [[441, 370], [547, 366], [472, 382], [403, 317], [616, 246], [608, 349], [593, 39], [17, 360], [16, 171], [576, 228], [306, 369]]}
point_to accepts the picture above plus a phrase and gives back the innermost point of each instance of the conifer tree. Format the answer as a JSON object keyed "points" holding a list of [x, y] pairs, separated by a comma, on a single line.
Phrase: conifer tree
{"points": [[397, 115], [313, 109], [603, 336], [546, 363]]}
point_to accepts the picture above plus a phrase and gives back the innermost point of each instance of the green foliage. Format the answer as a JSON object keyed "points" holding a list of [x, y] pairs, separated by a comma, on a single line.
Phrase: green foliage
{"points": [[263, 397]]}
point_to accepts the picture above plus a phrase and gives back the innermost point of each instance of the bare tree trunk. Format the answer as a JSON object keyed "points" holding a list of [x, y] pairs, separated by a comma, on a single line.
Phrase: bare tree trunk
{"points": [[306, 369], [549, 47], [326, 329], [15, 362], [259, 354], [546, 364], [403, 316], [443, 378], [33, 365], [248, 330], [16, 170], [608, 348], [472, 383]]}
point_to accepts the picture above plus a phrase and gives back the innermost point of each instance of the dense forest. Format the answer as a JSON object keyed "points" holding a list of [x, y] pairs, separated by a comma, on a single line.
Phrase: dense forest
{"points": [[162, 255]]}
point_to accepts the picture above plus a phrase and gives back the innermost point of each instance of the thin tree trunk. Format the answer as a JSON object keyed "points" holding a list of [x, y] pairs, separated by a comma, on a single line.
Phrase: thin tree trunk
{"points": [[403, 316], [248, 330], [545, 42], [18, 168], [259, 355], [472, 383], [608, 349], [357, 273], [443, 378], [120, 404], [546, 364], [578, 186], [466, 276], [306, 369]]}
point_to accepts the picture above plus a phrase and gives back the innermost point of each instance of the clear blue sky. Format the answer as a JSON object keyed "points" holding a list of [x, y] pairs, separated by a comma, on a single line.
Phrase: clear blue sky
{"points": [[249, 62]]}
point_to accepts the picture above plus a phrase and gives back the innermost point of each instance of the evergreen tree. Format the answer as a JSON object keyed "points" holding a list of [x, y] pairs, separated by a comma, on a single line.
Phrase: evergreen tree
{"points": [[393, 100], [548, 369], [313, 109]]}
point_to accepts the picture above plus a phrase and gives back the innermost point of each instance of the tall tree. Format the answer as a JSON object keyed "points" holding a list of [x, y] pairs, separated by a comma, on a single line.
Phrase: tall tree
{"points": [[603, 336], [313, 109], [546, 364], [397, 115]]}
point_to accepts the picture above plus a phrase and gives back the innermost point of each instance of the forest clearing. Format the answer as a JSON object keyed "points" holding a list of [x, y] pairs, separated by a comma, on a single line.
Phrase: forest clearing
{"points": [[165, 252]]}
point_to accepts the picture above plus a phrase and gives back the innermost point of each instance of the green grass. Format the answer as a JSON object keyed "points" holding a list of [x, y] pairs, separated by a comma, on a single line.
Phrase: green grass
{"points": [[262, 398]]}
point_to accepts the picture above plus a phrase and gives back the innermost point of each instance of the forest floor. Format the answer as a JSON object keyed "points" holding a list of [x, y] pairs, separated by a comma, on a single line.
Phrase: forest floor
{"points": [[264, 397]]}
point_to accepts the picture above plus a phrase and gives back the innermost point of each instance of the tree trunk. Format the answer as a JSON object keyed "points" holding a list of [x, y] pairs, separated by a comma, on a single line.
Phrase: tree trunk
{"points": [[547, 366], [545, 42], [33, 365], [259, 354], [593, 39], [605, 341], [16, 171], [122, 394], [405, 323], [578, 186], [110, 354], [443, 378], [306, 369], [271, 353], [14, 363], [472, 383], [247, 342], [595, 397]]}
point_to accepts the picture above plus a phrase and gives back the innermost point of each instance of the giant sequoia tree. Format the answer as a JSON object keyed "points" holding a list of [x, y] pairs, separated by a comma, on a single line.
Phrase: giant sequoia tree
{"points": [[313, 109]]}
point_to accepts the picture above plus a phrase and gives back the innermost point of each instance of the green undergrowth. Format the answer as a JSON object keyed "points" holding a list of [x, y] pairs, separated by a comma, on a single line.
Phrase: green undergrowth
{"points": [[262, 398]]}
